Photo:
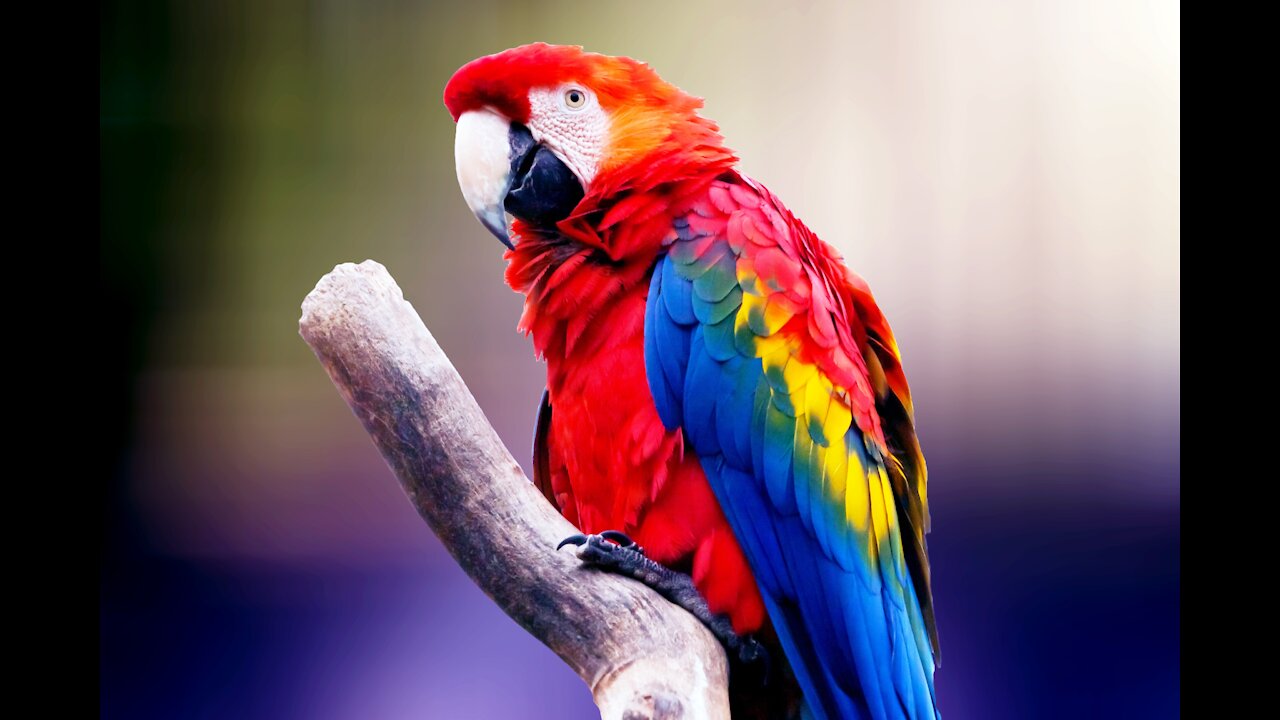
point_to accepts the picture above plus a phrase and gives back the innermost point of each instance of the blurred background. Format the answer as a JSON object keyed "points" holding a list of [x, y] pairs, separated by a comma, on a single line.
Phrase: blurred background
{"points": [[1004, 173]]}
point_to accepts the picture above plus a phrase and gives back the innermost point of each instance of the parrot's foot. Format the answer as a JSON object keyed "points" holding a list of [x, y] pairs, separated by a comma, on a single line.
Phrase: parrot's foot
{"points": [[615, 552]]}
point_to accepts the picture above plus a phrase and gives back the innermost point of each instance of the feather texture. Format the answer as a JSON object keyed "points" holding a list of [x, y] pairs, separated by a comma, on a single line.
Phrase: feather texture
{"points": [[793, 399]]}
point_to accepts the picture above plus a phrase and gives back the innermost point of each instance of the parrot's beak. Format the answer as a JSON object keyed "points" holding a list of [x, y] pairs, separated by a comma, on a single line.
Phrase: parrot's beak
{"points": [[501, 168]]}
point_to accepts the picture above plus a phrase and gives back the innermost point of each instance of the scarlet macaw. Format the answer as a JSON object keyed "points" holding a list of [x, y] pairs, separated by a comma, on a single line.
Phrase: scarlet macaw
{"points": [[720, 387]]}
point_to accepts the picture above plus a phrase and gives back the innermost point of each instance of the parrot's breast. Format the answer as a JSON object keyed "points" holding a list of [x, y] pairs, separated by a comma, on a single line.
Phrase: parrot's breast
{"points": [[614, 466]]}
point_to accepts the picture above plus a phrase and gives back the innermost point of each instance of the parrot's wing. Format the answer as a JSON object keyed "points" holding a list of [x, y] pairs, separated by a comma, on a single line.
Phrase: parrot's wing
{"points": [[773, 359], [549, 473], [542, 451]]}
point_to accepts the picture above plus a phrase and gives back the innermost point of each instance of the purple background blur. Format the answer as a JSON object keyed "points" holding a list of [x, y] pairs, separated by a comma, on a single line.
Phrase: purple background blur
{"points": [[1005, 174]]}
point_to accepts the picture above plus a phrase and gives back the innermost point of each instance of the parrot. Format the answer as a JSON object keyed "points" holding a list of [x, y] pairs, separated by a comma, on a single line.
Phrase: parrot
{"points": [[726, 414]]}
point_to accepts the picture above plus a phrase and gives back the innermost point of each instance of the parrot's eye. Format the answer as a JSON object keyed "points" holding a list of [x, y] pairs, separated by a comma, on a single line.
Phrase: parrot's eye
{"points": [[574, 98]]}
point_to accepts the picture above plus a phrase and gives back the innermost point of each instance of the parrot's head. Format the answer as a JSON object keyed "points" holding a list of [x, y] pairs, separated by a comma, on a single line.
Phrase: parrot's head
{"points": [[547, 130]]}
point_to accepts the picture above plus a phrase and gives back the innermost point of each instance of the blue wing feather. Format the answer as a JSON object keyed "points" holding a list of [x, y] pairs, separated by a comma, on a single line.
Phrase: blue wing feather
{"points": [[664, 358], [844, 608], [677, 294]]}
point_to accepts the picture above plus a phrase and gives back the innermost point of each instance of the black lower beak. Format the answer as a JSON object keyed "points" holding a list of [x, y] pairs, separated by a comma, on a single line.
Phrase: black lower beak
{"points": [[543, 189]]}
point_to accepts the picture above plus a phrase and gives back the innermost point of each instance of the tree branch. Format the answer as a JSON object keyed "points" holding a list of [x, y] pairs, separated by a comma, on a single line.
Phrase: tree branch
{"points": [[641, 656]]}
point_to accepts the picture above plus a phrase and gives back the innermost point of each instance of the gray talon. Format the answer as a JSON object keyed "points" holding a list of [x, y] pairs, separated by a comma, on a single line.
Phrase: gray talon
{"points": [[621, 539], [573, 540], [614, 552]]}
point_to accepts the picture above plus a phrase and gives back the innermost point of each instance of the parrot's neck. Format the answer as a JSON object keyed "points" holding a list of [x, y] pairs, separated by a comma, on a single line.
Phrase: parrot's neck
{"points": [[572, 278], [572, 290]]}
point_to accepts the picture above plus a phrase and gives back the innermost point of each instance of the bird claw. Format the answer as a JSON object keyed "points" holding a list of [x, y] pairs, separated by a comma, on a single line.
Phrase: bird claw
{"points": [[615, 552], [622, 540], [578, 540], [617, 538]]}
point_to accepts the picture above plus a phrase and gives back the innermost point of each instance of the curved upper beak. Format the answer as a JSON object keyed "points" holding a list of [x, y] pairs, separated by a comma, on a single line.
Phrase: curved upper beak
{"points": [[501, 169]]}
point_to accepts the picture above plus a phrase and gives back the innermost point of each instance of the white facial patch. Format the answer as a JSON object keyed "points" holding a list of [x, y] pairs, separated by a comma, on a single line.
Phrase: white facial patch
{"points": [[577, 135]]}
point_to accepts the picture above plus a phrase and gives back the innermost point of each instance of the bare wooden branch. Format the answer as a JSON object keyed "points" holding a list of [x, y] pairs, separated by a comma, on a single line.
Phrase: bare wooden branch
{"points": [[641, 656]]}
